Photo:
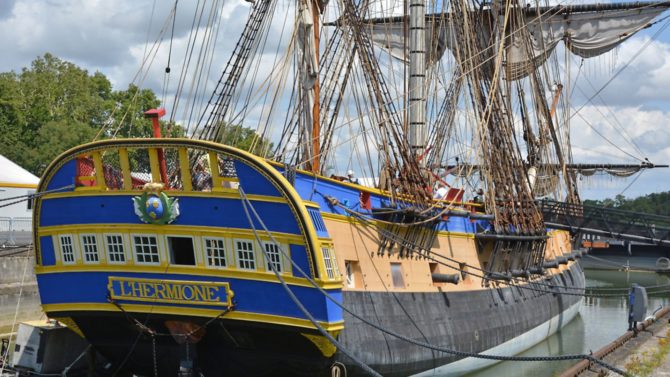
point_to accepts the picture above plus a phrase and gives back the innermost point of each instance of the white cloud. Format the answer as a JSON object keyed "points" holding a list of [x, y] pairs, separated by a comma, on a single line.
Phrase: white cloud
{"points": [[639, 72]]}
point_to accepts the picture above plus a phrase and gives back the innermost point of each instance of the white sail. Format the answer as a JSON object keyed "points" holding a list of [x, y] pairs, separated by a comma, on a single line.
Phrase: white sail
{"points": [[586, 34]]}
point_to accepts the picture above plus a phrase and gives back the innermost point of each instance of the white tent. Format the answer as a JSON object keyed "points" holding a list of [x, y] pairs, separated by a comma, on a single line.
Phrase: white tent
{"points": [[12, 175], [15, 219]]}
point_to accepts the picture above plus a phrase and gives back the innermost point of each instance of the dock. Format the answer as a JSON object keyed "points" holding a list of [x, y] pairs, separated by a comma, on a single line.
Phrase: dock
{"points": [[645, 352], [19, 299]]}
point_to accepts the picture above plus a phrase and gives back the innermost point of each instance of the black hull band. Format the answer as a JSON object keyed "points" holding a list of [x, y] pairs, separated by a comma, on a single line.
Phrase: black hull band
{"points": [[472, 321]]}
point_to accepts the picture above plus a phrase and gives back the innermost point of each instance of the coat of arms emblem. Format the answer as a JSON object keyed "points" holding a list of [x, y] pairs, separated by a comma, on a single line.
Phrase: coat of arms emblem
{"points": [[154, 206]]}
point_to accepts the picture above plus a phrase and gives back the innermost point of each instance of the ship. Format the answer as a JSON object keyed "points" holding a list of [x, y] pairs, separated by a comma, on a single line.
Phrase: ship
{"points": [[197, 255]]}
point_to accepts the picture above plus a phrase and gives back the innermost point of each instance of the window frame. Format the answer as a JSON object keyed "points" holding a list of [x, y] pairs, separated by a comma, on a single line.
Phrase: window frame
{"points": [[122, 244], [279, 247], [226, 255], [158, 249], [350, 275], [84, 254], [73, 249], [168, 249], [238, 260]]}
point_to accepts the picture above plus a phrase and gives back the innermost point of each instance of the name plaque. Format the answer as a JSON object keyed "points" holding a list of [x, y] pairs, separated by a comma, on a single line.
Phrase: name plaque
{"points": [[170, 291]]}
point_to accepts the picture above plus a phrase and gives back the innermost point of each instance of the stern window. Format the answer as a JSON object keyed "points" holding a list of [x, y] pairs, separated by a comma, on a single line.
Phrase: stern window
{"points": [[274, 255], [245, 255], [89, 243], [330, 263], [115, 250], [216, 252], [146, 249], [181, 251], [67, 249]]}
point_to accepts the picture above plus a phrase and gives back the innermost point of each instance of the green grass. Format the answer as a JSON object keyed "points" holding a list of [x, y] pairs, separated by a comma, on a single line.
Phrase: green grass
{"points": [[645, 364]]}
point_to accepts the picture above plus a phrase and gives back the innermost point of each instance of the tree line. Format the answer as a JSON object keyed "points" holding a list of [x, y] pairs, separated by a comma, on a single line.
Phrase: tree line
{"points": [[55, 105], [656, 203]]}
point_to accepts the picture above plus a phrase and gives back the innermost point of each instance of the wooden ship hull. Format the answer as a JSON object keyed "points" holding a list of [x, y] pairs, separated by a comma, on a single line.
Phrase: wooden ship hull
{"points": [[174, 253]]}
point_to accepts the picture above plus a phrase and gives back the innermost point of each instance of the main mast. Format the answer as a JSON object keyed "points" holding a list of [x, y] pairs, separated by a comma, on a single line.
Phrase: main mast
{"points": [[316, 106], [417, 77]]}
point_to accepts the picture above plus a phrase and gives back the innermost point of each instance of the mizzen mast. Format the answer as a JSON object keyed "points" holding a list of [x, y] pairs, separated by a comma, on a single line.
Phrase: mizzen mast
{"points": [[417, 77]]}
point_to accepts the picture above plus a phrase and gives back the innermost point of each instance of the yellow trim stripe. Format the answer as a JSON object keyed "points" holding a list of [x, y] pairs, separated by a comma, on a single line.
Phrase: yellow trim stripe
{"points": [[231, 194], [18, 185], [228, 273], [191, 230], [197, 312]]}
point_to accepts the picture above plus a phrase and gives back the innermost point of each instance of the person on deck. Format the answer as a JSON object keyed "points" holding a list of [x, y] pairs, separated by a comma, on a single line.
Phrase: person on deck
{"points": [[479, 198], [441, 192], [351, 178]]}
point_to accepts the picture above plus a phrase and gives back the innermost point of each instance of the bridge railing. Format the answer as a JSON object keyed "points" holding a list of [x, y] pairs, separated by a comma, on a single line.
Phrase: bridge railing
{"points": [[609, 222]]}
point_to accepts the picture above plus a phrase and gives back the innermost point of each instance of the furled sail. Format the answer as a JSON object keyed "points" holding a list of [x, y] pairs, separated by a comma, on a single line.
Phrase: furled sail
{"points": [[586, 30], [308, 71]]}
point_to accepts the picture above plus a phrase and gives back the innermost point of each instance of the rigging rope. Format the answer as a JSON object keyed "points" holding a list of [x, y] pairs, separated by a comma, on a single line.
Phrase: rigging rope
{"points": [[361, 364], [166, 77], [32, 196], [246, 202], [424, 253]]}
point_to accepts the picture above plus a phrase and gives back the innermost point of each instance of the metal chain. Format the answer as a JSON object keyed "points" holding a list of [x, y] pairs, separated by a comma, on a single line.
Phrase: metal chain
{"points": [[153, 343]]}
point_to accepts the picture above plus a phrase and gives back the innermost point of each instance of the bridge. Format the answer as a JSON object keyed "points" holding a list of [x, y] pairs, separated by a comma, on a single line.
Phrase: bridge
{"points": [[607, 222]]}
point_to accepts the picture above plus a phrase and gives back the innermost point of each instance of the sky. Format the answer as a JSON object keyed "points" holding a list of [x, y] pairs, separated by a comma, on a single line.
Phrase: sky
{"points": [[632, 112]]}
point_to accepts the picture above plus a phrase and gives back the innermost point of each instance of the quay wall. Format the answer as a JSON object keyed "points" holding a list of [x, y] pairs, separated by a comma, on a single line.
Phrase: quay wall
{"points": [[14, 294]]}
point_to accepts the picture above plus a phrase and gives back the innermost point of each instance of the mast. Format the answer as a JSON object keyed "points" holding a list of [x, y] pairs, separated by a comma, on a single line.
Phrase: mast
{"points": [[417, 75], [316, 106]]}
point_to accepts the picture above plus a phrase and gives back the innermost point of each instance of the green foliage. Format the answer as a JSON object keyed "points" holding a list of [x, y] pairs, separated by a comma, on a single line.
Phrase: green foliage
{"points": [[656, 203], [55, 105], [55, 137], [648, 362], [246, 139]]}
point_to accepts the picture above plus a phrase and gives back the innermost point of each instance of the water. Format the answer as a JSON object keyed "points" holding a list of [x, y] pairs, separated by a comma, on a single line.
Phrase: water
{"points": [[600, 321]]}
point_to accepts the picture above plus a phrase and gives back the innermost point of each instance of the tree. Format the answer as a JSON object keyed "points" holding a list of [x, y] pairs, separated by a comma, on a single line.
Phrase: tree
{"points": [[49, 107], [655, 203], [11, 117], [54, 105], [246, 139], [54, 138]]}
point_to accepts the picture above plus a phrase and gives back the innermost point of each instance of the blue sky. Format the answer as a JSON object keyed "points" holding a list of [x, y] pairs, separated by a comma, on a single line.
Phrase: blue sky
{"points": [[110, 36]]}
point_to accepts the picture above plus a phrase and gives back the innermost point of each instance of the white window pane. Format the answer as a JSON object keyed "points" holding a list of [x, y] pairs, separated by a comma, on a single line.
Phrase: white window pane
{"points": [[216, 252], [245, 255]]}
